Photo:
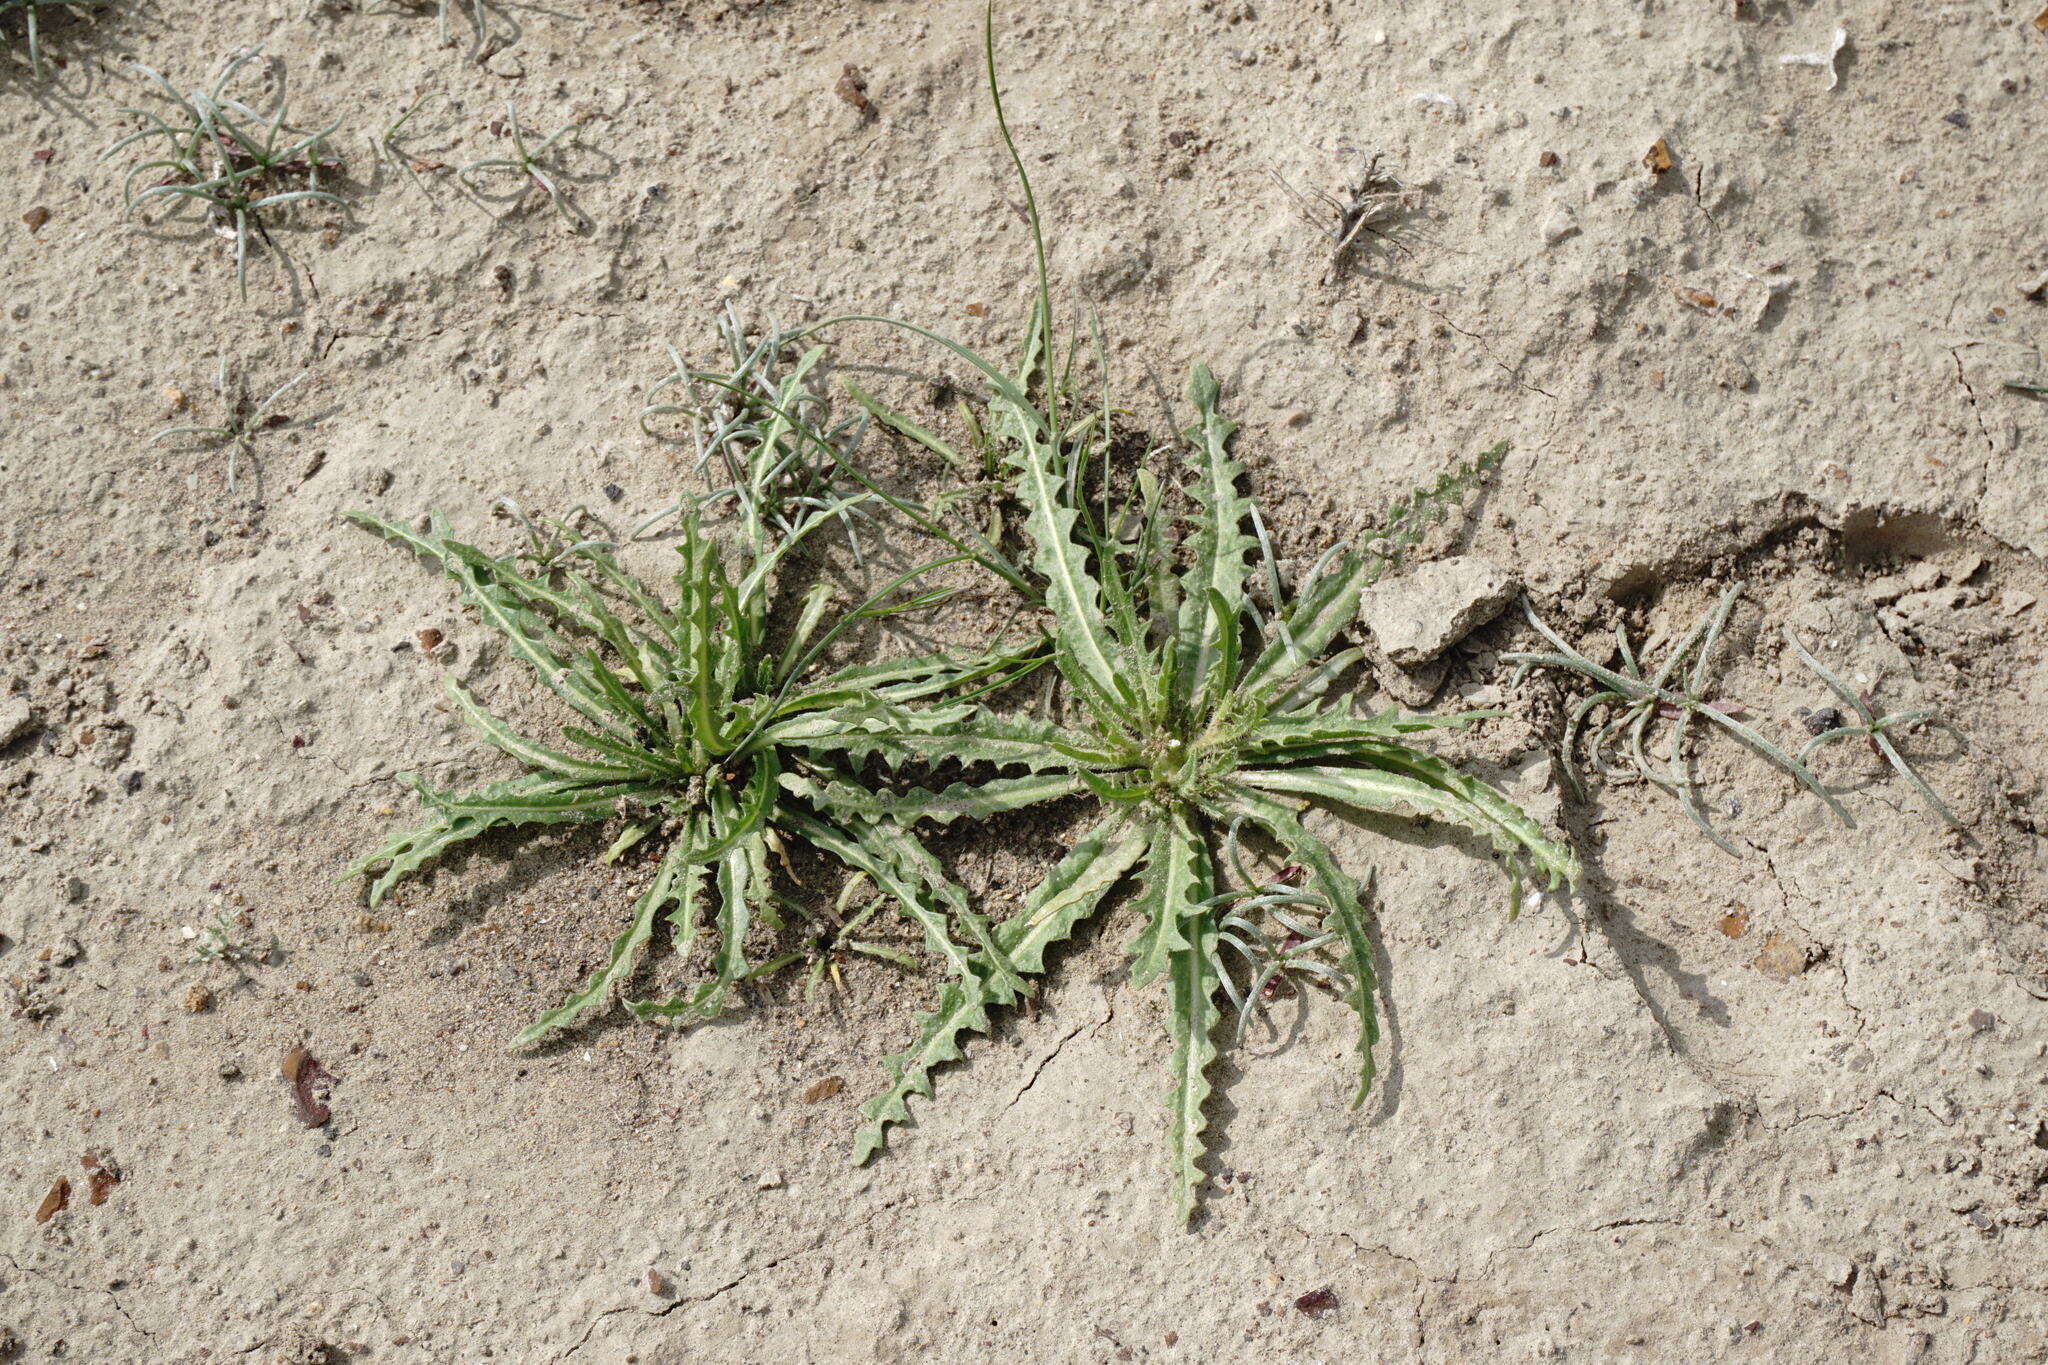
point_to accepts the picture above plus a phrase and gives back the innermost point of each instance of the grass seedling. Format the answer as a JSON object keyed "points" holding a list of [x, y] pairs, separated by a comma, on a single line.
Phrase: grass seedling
{"points": [[479, 19], [228, 940], [709, 720], [238, 430], [526, 162], [1874, 729], [1638, 702], [475, 11], [390, 152], [761, 408], [221, 153], [1195, 680]]}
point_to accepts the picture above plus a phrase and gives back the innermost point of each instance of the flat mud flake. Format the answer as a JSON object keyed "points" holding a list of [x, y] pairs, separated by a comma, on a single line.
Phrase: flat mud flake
{"points": [[817, 1092], [55, 1202], [1734, 924], [304, 1073], [1658, 158], [1781, 959], [853, 88], [1317, 1302]]}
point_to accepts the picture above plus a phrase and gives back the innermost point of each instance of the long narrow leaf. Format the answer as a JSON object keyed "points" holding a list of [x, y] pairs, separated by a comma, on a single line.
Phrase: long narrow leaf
{"points": [[672, 872], [1190, 1021]]}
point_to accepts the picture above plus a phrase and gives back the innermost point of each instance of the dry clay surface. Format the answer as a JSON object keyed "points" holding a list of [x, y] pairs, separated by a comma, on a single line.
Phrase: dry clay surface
{"points": [[1788, 1106]]}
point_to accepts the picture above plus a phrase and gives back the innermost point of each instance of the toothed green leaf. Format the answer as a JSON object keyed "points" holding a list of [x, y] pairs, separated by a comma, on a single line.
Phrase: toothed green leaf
{"points": [[1071, 892], [1071, 592], [960, 800], [1212, 585], [1432, 787], [742, 881], [1337, 734], [1177, 881], [1191, 1016], [976, 737], [532, 753], [1307, 627]]}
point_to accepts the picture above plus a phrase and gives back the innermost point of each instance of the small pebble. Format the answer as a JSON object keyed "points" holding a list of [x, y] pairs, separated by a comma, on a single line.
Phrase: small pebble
{"points": [[1821, 721]]}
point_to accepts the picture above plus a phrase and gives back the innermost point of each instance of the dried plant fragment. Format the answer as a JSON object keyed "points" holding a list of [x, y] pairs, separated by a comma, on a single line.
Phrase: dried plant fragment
{"points": [[55, 1202], [1369, 203], [304, 1073], [853, 88]]}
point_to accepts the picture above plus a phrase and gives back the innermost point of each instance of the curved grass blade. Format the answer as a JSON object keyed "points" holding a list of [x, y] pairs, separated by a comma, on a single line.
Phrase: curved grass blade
{"points": [[1345, 899]]}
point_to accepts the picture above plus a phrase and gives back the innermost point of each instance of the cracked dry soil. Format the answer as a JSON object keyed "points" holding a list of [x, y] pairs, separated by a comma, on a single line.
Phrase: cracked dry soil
{"points": [[1788, 1106]]}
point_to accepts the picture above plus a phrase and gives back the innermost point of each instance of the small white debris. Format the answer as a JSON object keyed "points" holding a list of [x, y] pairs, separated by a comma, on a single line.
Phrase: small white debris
{"points": [[187, 932], [1824, 60], [1435, 99], [770, 1180]]}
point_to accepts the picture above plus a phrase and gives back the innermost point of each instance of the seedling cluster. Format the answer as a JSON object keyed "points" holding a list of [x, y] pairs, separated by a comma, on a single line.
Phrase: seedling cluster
{"points": [[242, 419], [217, 151], [1677, 697]]}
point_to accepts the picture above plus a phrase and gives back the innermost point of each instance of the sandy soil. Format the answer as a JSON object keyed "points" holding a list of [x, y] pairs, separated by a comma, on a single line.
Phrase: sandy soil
{"points": [[1792, 1106]]}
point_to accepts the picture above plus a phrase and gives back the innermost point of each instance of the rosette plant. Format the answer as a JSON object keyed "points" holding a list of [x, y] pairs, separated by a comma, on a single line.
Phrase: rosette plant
{"points": [[697, 722], [1194, 689]]}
